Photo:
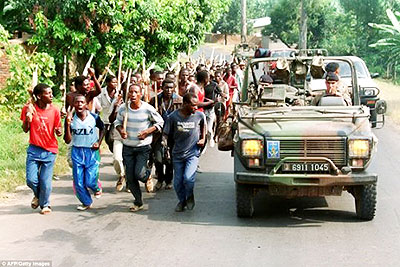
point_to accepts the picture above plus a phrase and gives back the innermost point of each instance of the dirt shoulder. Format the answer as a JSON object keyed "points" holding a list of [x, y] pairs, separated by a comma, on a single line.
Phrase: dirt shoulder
{"points": [[391, 93]]}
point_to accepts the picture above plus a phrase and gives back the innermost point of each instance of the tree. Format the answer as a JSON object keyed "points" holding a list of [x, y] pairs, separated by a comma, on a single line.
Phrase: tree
{"points": [[22, 66], [390, 44], [328, 25], [153, 29]]}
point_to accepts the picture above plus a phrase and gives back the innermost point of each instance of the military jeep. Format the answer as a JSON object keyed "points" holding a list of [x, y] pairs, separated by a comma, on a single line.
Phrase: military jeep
{"points": [[288, 146]]}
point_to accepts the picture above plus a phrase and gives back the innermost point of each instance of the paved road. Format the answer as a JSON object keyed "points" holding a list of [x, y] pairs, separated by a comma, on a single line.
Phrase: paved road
{"points": [[302, 232]]}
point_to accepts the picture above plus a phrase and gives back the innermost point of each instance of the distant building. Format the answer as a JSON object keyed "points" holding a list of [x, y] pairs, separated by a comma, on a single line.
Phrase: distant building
{"points": [[259, 24]]}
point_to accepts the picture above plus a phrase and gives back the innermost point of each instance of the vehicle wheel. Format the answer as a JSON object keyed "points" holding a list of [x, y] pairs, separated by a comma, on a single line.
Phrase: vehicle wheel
{"points": [[373, 118], [365, 199], [244, 200]]}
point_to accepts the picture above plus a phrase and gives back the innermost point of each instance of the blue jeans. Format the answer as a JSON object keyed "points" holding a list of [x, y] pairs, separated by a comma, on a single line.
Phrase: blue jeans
{"points": [[39, 172], [184, 177]]}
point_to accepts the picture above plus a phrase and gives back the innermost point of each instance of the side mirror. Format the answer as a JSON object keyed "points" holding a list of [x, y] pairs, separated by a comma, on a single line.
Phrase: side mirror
{"points": [[375, 75], [381, 106]]}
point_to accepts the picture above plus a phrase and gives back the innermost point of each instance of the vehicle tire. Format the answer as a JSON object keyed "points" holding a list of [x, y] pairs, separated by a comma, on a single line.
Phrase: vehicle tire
{"points": [[244, 200], [373, 118], [365, 200]]}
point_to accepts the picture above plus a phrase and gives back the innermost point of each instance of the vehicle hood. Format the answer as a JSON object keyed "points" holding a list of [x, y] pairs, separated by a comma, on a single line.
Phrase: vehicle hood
{"points": [[307, 122], [319, 128]]}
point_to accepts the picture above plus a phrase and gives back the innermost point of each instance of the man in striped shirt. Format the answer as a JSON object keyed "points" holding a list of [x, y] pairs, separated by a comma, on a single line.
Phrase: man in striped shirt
{"points": [[143, 120]]}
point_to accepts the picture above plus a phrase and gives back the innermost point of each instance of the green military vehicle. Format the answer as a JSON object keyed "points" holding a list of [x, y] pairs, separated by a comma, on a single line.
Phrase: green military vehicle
{"points": [[283, 143]]}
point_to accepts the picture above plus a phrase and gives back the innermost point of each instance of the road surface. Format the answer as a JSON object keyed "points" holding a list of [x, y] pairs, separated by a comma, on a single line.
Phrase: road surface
{"points": [[301, 232]]}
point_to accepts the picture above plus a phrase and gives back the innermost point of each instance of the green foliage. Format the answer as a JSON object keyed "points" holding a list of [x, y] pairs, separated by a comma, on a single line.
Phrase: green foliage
{"points": [[152, 29], [391, 43], [21, 67], [328, 26], [340, 26]]}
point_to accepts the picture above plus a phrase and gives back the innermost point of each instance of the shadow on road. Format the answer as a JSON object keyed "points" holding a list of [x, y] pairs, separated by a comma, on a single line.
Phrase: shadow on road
{"points": [[215, 205]]}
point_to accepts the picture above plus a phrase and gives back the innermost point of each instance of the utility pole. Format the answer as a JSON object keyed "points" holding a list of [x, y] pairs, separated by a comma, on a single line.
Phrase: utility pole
{"points": [[303, 25], [244, 23]]}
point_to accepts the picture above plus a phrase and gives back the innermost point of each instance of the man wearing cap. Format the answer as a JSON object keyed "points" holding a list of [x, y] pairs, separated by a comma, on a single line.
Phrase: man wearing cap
{"points": [[342, 87], [332, 82]]}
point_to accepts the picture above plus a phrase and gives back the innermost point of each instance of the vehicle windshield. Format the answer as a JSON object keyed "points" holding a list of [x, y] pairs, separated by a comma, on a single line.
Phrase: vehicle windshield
{"points": [[345, 71], [293, 86]]}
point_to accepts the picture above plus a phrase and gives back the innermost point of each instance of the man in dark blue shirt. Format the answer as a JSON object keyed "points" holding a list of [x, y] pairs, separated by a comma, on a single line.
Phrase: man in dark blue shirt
{"points": [[187, 128]]}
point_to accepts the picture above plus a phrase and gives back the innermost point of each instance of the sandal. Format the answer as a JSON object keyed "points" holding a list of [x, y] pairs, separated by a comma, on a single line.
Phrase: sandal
{"points": [[135, 208]]}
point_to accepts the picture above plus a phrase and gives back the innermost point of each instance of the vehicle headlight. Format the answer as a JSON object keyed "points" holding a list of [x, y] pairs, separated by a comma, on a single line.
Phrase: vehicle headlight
{"points": [[370, 91], [358, 148], [252, 148]]}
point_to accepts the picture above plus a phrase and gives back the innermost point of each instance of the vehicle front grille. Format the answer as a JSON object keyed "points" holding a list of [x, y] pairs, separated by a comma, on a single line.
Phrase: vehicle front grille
{"points": [[333, 149]]}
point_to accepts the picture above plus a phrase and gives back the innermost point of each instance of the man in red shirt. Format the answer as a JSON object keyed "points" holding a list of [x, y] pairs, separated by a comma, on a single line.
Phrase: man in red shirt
{"points": [[233, 88], [42, 121]]}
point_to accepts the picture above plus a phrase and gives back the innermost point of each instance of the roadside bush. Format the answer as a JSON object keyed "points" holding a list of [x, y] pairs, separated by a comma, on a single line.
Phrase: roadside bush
{"points": [[22, 66]]}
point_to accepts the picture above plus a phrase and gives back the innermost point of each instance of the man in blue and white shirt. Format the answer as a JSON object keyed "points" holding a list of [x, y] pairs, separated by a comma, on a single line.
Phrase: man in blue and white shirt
{"points": [[142, 121], [80, 128]]}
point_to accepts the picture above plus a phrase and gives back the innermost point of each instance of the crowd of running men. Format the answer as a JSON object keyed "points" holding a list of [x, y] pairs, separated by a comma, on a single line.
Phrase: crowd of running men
{"points": [[165, 123]]}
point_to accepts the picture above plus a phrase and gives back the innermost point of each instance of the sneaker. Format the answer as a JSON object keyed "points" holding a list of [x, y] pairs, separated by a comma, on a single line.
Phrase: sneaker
{"points": [[212, 142], [180, 207], [83, 207], [168, 186], [190, 202], [158, 186], [35, 203], [135, 208], [98, 194], [120, 183], [127, 190], [45, 210], [149, 184]]}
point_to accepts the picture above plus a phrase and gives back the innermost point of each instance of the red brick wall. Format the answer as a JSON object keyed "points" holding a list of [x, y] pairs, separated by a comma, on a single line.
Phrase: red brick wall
{"points": [[4, 69]]}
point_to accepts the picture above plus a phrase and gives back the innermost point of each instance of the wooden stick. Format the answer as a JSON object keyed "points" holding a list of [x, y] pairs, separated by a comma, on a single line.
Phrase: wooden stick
{"points": [[87, 66], [119, 72], [64, 85], [106, 70], [128, 84], [126, 73], [145, 81], [155, 97]]}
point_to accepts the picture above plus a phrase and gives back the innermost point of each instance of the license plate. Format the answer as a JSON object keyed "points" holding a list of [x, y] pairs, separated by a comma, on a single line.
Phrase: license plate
{"points": [[306, 167]]}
